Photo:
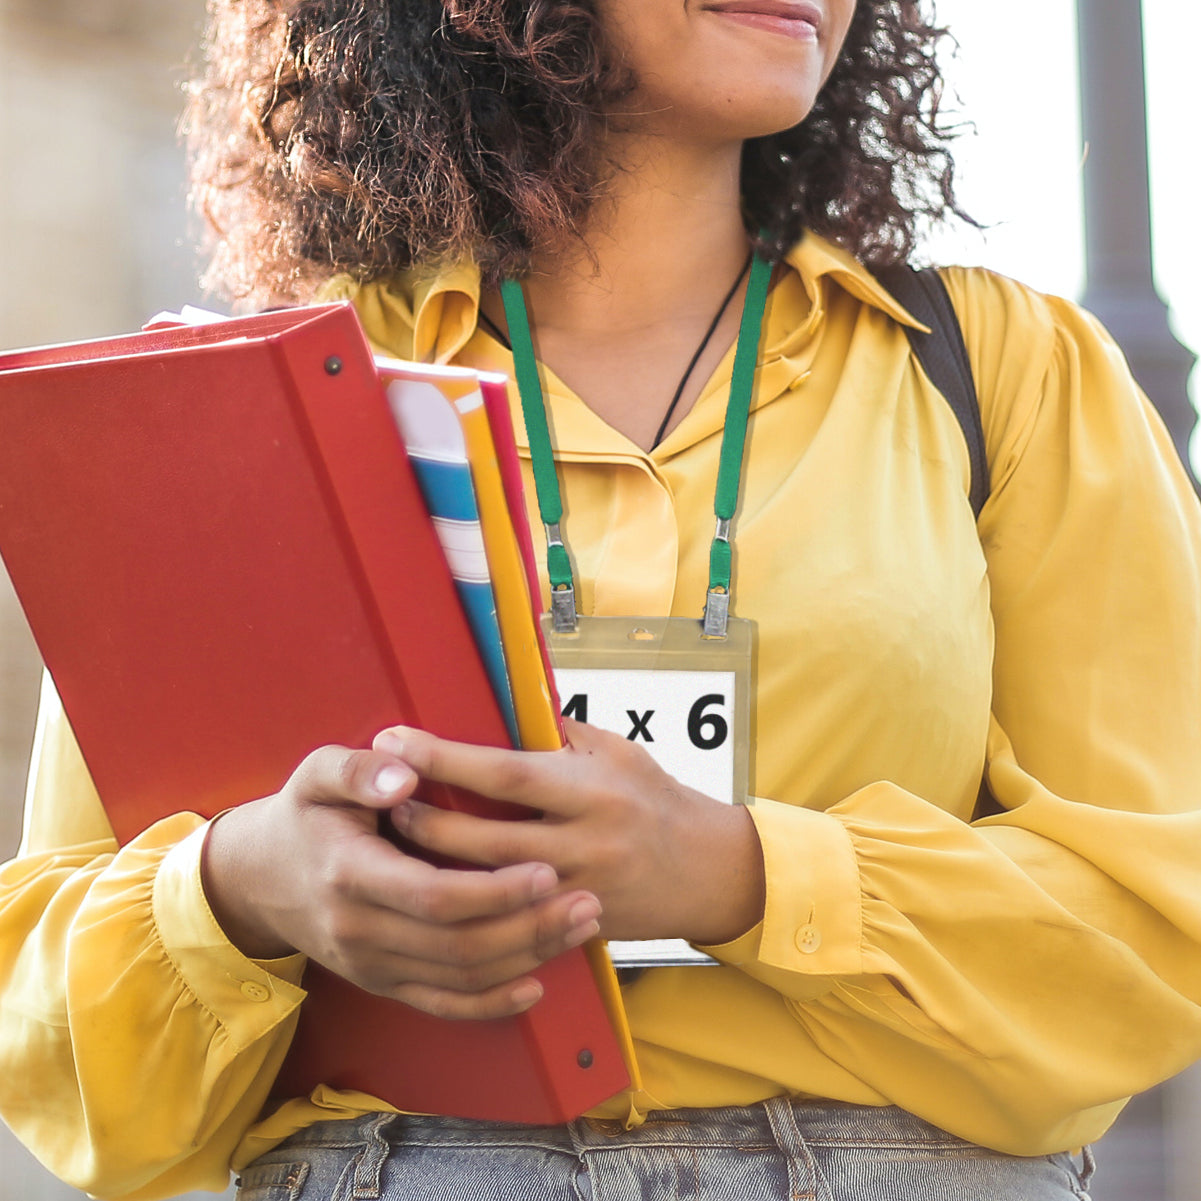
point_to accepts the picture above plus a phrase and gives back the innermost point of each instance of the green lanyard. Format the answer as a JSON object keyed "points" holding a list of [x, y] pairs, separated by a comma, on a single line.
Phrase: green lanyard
{"points": [[729, 472]]}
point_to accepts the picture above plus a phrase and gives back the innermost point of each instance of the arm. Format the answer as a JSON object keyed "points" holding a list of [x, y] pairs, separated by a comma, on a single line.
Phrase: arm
{"points": [[1014, 979], [153, 1039], [110, 1049]]}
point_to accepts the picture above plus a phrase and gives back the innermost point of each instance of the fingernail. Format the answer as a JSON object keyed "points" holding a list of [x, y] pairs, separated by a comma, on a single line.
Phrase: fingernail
{"points": [[390, 741], [402, 817], [390, 779], [582, 933], [526, 993], [586, 909], [543, 881]]}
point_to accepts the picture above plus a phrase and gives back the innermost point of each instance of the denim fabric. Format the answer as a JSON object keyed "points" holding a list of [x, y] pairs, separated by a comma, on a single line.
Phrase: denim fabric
{"points": [[776, 1151]]}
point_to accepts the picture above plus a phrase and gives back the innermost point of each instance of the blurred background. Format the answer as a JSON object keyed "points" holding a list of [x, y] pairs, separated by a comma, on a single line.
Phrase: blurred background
{"points": [[94, 238]]}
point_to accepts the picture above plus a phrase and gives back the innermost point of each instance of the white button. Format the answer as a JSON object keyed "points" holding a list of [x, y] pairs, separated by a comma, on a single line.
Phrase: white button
{"points": [[808, 938], [255, 991]]}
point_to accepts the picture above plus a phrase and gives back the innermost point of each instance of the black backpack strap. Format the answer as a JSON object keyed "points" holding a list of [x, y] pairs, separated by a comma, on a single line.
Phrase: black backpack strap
{"points": [[943, 357]]}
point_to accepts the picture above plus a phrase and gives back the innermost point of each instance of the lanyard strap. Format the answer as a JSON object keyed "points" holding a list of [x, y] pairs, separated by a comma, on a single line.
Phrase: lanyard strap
{"points": [[733, 441], [729, 473], [546, 482]]}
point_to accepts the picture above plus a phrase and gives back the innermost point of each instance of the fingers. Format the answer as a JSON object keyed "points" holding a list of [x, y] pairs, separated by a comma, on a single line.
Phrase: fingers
{"points": [[446, 978], [541, 780], [505, 1000], [470, 957], [452, 943], [306, 869], [473, 839], [380, 875], [477, 968], [337, 775]]}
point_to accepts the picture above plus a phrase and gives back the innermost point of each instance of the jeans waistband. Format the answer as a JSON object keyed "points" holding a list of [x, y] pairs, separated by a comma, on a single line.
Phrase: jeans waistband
{"points": [[818, 1123], [808, 1151]]}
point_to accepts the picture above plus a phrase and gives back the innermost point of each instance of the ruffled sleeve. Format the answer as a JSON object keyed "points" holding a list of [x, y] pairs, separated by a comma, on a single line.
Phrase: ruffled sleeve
{"points": [[136, 1044], [1015, 978]]}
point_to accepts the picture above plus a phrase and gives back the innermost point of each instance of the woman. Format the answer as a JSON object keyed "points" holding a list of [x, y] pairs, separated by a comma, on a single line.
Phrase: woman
{"points": [[909, 1003]]}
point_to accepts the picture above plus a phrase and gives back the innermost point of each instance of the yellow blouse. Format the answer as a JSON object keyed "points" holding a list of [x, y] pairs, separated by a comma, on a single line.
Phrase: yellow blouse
{"points": [[1012, 979]]}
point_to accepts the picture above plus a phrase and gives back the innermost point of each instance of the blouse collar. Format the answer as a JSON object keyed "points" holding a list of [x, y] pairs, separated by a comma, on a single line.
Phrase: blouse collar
{"points": [[430, 314]]}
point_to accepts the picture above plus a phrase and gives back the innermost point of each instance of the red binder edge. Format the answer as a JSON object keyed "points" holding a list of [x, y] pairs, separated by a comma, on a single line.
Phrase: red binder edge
{"points": [[539, 1023], [570, 1086]]}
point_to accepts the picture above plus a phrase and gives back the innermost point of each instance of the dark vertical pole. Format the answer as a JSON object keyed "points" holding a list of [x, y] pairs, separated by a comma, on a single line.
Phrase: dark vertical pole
{"points": [[1120, 286], [1120, 289]]}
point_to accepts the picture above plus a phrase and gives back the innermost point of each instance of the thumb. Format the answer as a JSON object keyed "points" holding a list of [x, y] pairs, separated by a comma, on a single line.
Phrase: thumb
{"points": [[337, 775]]}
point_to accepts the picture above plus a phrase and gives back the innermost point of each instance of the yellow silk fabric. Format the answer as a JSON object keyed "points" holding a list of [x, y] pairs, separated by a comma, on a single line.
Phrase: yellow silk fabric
{"points": [[1011, 980]]}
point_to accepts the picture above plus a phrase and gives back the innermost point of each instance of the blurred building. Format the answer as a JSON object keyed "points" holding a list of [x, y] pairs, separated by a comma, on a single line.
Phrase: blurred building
{"points": [[93, 239], [93, 234]]}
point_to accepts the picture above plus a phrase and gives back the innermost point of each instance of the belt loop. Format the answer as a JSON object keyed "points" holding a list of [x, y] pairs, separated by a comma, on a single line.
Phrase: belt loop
{"points": [[802, 1167], [1088, 1165], [369, 1167]]}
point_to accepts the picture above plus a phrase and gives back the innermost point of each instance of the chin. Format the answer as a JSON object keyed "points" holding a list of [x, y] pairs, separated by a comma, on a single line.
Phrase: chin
{"points": [[742, 121], [727, 109]]}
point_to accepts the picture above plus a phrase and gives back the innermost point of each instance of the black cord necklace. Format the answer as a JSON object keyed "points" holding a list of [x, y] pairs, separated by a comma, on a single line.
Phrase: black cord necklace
{"points": [[496, 331], [700, 350], [499, 335]]}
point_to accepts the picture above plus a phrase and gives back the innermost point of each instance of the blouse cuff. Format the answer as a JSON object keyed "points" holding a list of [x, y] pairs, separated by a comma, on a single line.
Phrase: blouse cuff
{"points": [[248, 997], [813, 916]]}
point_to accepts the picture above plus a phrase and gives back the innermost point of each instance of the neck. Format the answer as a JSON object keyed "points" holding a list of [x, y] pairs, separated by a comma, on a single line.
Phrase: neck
{"points": [[668, 237], [619, 316]]}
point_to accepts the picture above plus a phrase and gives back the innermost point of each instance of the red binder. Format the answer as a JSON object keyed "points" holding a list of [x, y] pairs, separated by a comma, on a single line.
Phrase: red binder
{"points": [[224, 558]]}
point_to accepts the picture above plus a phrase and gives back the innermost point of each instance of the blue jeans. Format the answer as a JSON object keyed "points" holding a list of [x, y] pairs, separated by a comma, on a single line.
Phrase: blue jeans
{"points": [[774, 1151]]}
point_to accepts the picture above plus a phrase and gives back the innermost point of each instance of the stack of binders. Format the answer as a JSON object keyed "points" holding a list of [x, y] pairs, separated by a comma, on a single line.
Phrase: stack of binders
{"points": [[226, 558]]}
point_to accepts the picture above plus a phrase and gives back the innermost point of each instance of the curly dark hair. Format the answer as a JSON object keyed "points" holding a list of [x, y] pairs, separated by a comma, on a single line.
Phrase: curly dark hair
{"points": [[370, 135]]}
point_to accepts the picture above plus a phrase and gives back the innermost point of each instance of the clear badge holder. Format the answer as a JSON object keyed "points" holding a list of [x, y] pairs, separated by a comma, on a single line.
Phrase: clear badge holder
{"points": [[684, 697]]}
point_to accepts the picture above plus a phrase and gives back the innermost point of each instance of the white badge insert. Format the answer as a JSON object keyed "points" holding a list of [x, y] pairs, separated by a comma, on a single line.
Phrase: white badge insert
{"points": [[684, 698]]}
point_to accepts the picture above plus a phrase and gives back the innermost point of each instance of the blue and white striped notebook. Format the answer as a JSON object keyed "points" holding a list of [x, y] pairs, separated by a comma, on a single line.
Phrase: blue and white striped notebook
{"points": [[429, 424]]}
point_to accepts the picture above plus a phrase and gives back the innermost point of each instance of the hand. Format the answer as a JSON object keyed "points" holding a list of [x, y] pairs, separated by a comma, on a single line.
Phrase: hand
{"points": [[307, 870], [664, 860]]}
